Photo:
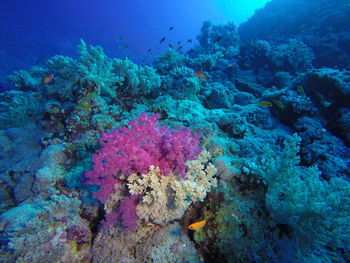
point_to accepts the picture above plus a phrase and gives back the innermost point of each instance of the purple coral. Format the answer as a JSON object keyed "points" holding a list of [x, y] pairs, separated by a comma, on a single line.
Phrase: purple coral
{"points": [[135, 149], [126, 213]]}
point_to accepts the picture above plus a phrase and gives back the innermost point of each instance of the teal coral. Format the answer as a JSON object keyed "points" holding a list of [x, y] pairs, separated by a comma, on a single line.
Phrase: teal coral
{"points": [[275, 202], [317, 210], [138, 80], [18, 108]]}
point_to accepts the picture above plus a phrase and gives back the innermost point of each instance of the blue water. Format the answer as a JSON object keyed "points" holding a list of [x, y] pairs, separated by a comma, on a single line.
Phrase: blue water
{"points": [[175, 131], [56, 28]]}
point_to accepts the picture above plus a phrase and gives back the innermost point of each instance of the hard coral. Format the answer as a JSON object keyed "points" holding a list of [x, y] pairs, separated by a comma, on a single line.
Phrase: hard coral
{"points": [[159, 199], [78, 233]]}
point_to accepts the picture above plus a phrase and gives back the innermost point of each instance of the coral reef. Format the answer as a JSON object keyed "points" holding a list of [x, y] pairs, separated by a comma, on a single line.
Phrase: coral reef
{"points": [[41, 231], [127, 151], [250, 132], [166, 198], [151, 163], [148, 243]]}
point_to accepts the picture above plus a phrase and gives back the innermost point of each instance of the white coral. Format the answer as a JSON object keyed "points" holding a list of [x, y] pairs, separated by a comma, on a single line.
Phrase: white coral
{"points": [[200, 179], [166, 198]]}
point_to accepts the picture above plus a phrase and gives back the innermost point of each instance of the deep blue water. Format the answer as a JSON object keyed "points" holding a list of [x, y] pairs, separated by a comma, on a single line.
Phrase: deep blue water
{"points": [[32, 32]]}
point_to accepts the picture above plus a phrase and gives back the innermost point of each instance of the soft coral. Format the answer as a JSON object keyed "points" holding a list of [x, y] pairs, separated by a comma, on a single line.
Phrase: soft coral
{"points": [[135, 149]]}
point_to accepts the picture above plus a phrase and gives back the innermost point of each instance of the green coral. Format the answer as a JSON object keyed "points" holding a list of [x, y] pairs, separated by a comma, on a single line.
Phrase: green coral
{"points": [[27, 80], [97, 69], [18, 108], [66, 76], [207, 61], [170, 60], [93, 69], [181, 83], [317, 210], [242, 221], [138, 80]]}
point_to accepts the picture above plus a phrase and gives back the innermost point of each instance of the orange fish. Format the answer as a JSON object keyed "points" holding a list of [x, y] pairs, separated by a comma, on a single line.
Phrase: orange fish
{"points": [[37, 95], [47, 79], [201, 75], [197, 225]]}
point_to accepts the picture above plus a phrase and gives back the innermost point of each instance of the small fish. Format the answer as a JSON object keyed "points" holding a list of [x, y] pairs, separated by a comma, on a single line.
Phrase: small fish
{"points": [[279, 104], [300, 90], [197, 225], [265, 103], [37, 95], [162, 40], [325, 103], [4, 225], [189, 41], [217, 39], [171, 28], [179, 42], [47, 79], [179, 48], [149, 51], [170, 45], [200, 75], [121, 38], [126, 46]]}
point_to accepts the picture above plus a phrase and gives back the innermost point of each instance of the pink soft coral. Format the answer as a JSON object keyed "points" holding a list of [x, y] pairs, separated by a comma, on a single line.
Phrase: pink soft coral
{"points": [[126, 213], [135, 149]]}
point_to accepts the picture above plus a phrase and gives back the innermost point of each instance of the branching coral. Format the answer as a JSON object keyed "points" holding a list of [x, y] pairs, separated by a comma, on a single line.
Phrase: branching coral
{"points": [[134, 150], [42, 232], [25, 80], [181, 83], [170, 60], [138, 80], [199, 180], [207, 61], [157, 166], [292, 56], [97, 69], [66, 76], [18, 108], [317, 210], [166, 198]]}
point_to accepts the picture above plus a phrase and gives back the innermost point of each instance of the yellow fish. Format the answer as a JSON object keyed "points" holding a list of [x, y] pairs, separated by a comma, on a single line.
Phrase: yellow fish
{"points": [[197, 225], [47, 79], [265, 103], [279, 104], [200, 75], [300, 90]]}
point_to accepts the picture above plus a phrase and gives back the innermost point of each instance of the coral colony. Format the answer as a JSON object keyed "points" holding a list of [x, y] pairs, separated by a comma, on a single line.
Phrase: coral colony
{"points": [[139, 156], [235, 151]]}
